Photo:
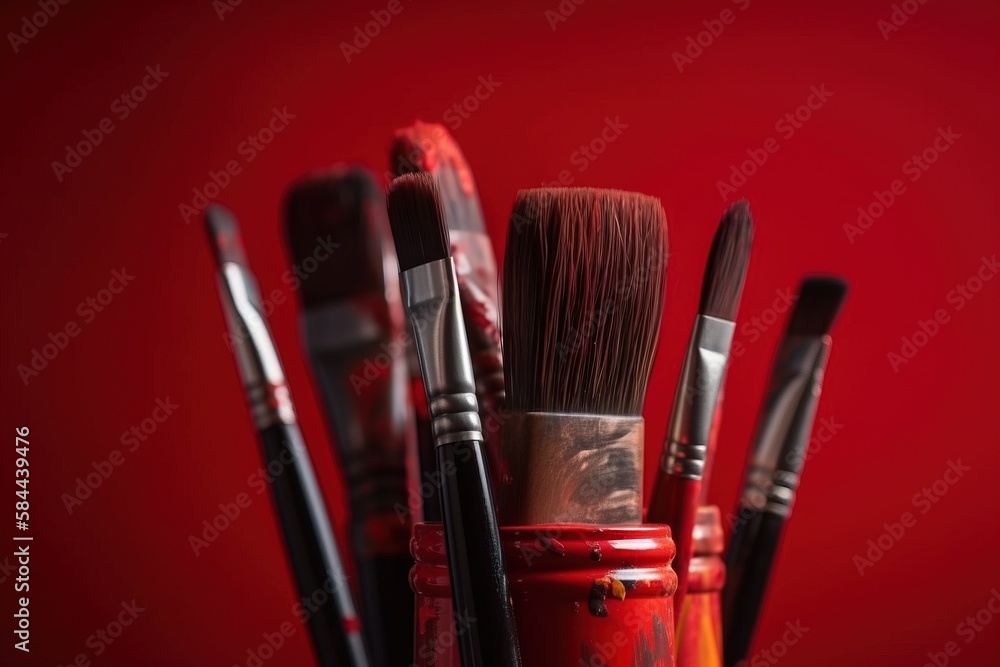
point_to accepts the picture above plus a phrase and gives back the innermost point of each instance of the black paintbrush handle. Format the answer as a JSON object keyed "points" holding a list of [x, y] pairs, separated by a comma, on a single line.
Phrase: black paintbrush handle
{"points": [[378, 578], [484, 619], [312, 549], [429, 487], [743, 602]]}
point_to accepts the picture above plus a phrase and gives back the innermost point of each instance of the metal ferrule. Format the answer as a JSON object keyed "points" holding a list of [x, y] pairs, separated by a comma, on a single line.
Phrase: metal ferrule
{"points": [[256, 356], [790, 381], [342, 337], [788, 468], [430, 296], [359, 360], [697, 400], [572, 468]]}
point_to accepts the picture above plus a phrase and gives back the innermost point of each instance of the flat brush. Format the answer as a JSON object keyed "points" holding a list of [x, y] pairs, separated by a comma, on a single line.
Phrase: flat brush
{"points": [[690, 442], [428, 147], [480, 590], [777, 458], [583, 288], [309, 539], [353, 325]]}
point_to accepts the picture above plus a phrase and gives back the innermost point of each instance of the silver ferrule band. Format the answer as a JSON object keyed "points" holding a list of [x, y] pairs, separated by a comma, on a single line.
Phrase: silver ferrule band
{"points": [[256, 356], [430, 296], [695, 404]]}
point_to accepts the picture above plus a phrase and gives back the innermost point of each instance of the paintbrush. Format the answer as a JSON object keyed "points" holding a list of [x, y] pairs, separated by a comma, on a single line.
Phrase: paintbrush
{"points": [[690, 442], [344, 267], [427, 147], [777, 458], [480, 590], [309, 539], [583, 293]]}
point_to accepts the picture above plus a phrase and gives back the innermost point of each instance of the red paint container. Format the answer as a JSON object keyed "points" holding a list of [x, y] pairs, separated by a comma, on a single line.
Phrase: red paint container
{"points": [[584, 595], [699, 629]]}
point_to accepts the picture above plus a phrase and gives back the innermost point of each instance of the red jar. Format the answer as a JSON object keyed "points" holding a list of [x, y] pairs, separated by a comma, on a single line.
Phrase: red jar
{"points": [[584, 595], [699, 629]]}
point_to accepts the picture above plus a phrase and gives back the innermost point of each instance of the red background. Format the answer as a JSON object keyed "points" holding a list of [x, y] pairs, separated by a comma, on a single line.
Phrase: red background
{"points": [[162, 336]]}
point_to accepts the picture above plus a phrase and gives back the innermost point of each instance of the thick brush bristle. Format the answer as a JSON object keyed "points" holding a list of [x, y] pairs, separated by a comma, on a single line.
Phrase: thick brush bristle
{"points": [[727, 264], [816, 309], [583, 287], [418, 225], [224, 235], [335, 227]]}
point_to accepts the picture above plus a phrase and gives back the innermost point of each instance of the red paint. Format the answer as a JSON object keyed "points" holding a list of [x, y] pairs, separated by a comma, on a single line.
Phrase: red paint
{"points": [[428, 146], [551, 591]]}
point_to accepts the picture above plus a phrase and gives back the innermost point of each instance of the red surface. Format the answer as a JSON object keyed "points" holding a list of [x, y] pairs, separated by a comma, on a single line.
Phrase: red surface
{"points": [[162, 336]]}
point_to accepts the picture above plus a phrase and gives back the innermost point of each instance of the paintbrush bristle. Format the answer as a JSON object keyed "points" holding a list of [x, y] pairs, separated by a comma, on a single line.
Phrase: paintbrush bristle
{"points": [[727, 264], [429, 147], [224, 235], [583, 286], [418, 226], [335, 227], [816, 309]]}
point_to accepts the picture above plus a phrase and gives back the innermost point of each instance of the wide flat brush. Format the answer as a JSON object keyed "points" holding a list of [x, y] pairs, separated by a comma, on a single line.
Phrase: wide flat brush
{"points": [[777, 458], [690, 442], [353, 325], [428, 147], [480, 590], [309, 539], [583, 288]]}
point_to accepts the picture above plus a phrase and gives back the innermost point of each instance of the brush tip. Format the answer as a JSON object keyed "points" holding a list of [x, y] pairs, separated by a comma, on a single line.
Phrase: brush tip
{"points": [[819, 302], [335, 229], [583, 288], [726, 271], [224, 235], [417, 220]]}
